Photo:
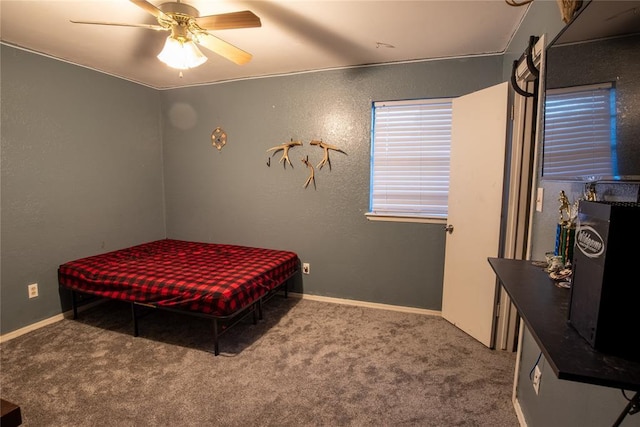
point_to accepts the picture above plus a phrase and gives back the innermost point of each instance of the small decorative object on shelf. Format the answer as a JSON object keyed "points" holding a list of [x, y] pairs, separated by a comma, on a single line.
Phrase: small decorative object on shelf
{"points": [[590, 192], [566, 229], [558, 271], [285, 152], [218, 138], [568, 8], [564, 208]]}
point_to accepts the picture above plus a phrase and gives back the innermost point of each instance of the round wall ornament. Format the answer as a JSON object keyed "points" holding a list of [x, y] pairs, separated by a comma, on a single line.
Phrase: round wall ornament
{"points": [[218, 138]]}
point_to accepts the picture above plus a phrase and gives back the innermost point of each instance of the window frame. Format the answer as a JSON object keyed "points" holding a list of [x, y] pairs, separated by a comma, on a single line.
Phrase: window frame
{"points": [[429, 144], [581, 134]]}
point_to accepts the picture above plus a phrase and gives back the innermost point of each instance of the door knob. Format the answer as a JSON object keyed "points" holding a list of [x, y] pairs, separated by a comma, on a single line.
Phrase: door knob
{"points": [[449, 228]]}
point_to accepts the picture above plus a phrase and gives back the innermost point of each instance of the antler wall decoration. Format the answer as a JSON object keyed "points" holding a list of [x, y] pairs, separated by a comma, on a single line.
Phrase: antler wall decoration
{"points": [[285, 147], [285, 151], [326, 147], [517, 3], [311, 173]]}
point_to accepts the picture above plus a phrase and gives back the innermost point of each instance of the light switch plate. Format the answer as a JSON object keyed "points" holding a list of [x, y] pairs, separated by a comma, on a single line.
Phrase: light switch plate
{"points": [[539, 197]]}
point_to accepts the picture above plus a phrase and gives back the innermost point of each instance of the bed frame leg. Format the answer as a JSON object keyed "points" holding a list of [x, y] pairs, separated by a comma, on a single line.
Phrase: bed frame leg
{"points": [[216, 347], [259, 310], [74, 304], [135, 319]]}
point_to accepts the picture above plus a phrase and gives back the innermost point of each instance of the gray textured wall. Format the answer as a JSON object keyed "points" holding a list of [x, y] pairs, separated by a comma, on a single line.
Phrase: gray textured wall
{"points": [[81, 174], [560, 403], [607, 61], [232, 196], [542, 18], [98, 178]]}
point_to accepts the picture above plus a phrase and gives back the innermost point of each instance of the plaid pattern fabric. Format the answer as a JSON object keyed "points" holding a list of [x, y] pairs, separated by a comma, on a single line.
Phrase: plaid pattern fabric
{"points": [[210, 278]]}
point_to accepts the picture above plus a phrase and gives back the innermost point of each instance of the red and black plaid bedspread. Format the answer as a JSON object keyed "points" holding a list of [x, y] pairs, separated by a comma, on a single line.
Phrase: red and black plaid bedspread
{"points": [[210, 278]]}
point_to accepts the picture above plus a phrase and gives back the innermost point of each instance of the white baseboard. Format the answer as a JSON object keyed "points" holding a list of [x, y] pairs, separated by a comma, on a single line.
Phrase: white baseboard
{"points": [[14, 334], [53, 319], [519, 414], [367, 304]]}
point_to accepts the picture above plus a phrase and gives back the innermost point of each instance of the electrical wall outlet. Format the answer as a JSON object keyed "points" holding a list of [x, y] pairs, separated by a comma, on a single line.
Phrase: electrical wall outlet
{"points": [[537, 376], [306, 268], [33, 290]]}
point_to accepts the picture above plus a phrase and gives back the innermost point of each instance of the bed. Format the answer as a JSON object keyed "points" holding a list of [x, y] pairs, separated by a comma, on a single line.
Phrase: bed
{"points": [[218, 281]]}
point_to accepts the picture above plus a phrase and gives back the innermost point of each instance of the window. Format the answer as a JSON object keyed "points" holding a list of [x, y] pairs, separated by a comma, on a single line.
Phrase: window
{"points": [[580, 132], [410, 151]]}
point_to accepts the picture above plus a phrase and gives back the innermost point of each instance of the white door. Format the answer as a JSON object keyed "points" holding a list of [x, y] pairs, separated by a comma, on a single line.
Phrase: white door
{"points": [[478, 141]]}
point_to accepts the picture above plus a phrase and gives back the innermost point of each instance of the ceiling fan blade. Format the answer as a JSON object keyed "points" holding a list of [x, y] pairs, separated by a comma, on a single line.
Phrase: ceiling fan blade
{"points": [[228, 21], [223, 48], [143, 4], [151, 27]]}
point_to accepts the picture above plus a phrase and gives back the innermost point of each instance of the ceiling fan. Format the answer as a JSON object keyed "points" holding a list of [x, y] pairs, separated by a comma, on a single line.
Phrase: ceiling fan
{"points": [[188, 28]]}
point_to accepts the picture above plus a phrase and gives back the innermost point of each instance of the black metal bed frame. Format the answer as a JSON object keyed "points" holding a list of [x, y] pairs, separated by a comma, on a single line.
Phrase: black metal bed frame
{"points": [[221, 324]]}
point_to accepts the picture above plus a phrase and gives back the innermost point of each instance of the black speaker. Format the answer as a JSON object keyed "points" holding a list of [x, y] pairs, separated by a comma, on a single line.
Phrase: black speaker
{"points": [[605, 291]]}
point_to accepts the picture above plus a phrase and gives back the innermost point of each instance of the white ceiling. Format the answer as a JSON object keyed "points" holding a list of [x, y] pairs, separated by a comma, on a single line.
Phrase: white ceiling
{"points": [[295, 36]]}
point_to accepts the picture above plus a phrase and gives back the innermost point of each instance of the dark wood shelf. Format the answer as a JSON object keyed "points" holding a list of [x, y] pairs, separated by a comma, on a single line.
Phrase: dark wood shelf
{"points": [[10, 415], [544, 308]]}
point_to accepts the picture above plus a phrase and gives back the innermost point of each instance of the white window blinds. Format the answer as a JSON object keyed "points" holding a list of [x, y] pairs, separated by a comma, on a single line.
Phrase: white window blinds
{"points": [[579, 132], [410, 150]]}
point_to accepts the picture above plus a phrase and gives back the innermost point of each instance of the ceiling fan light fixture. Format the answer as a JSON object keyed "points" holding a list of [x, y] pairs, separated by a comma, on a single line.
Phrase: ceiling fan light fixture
{"points": [[181, 54]]}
